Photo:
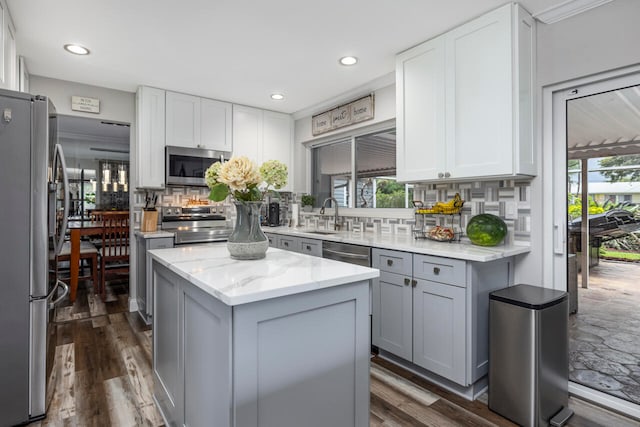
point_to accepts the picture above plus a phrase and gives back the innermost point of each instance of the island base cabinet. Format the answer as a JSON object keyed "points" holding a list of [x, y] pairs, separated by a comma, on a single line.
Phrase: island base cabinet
{"points": [[439, 319], [299, 360]]}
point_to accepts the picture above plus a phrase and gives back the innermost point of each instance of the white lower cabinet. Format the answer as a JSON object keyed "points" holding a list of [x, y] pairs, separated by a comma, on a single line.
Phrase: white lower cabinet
{"points": [[433, 311]]}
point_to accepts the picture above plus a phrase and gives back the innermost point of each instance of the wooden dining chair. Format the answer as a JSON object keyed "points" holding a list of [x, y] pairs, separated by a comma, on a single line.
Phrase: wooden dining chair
{"points": [[114, 253], [87, 252], [96, 216]]}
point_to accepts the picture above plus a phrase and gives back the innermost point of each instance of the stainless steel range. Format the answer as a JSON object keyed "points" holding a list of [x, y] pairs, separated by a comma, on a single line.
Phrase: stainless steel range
{"points": [[198, 224]]}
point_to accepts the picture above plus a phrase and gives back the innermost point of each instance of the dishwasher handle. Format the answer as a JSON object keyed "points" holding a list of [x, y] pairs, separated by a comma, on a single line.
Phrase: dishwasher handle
{"points": [[346, 254]]}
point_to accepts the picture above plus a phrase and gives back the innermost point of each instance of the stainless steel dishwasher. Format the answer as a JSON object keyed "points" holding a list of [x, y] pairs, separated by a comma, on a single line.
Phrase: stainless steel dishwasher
{"points": [[353, 254], [345, 252]]}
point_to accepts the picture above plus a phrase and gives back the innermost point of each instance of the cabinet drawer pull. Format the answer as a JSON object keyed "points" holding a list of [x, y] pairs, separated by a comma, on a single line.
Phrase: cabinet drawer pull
{"points": [[286, 243], [406, 281], [389, 262], [308, 247], [414, 282], [436, 270]]}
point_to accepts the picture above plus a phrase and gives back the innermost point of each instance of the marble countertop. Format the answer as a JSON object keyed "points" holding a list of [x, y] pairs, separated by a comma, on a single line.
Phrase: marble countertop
{"points": [[153, 234], [407, 243], [280, 273]]}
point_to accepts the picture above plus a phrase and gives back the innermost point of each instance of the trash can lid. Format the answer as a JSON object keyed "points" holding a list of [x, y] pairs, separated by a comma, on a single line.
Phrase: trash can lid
{"points": [[527, 296]]}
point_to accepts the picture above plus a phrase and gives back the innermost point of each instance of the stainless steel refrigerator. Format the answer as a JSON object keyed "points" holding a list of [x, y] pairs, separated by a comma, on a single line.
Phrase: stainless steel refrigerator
{"points": [[33, 218]]}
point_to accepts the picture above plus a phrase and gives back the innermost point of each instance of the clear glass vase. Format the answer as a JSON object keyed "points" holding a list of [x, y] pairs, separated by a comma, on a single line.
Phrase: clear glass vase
{"points": [[247, 240]]}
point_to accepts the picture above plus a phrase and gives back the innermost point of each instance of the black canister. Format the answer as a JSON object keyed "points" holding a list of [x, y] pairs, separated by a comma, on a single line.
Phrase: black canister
{"points": [[273, 218]]}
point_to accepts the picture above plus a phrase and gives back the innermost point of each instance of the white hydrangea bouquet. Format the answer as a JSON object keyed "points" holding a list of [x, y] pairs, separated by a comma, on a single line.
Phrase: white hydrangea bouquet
{"points": [[243, 180]]}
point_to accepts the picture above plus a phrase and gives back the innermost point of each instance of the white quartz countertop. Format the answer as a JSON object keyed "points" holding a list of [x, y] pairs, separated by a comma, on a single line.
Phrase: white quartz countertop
{"points": [[154, 234], [280, 273], [407, 243]]}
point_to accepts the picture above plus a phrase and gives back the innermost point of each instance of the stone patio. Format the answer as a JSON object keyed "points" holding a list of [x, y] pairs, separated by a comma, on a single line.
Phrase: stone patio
{"points": [[604, 335]]}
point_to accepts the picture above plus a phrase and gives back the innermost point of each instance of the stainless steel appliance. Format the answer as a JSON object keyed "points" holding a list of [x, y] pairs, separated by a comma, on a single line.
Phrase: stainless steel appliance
{"points": [[345, 252], [186, 166], [33, 218], [199, 224]]}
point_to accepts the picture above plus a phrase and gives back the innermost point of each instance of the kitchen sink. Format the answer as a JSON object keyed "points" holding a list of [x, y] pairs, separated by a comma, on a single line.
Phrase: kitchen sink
{"points": [[325, 232]]}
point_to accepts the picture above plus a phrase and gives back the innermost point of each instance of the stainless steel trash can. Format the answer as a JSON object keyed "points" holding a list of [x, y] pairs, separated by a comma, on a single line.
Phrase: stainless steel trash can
{"points": [[528, 355]]}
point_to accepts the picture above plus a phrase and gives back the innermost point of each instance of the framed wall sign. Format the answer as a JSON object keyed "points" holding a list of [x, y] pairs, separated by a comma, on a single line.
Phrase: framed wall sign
{"points": [[87, 105], [344, 115]]}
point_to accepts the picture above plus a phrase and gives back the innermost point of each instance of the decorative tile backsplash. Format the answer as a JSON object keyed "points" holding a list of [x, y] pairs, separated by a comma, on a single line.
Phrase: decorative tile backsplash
{"points": [[508, 199]]}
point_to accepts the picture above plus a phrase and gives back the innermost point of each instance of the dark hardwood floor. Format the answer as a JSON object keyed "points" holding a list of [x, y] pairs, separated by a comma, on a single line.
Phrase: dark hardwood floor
{"points": [[102, 377]]}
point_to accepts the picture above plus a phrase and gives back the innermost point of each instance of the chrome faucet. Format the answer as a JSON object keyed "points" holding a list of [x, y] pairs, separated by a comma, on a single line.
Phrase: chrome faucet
{"points": [[336, 224]]}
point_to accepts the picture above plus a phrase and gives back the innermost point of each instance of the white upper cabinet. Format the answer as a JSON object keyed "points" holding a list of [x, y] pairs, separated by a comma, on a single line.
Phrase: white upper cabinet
{"points": [[277, 140], [215, 125], [247, 132], [183, 120], [464, 101], [420, 108], [196, 122], [264, 135], [150, 117]]}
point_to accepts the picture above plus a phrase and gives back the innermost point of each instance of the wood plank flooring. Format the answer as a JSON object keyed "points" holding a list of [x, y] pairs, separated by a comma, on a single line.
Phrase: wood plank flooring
{"points": [[102, 377]]}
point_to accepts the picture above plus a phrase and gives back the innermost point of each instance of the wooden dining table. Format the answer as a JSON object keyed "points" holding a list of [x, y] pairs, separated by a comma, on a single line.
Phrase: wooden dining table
{"points": [[78, 229]]}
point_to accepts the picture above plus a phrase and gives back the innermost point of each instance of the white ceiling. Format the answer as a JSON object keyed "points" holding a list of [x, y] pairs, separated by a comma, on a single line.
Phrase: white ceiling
{"points": [[606, 124], [234, 50]]}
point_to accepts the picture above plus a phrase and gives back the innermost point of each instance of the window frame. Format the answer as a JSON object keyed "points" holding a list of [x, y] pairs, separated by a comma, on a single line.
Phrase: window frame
{"points": [[351, 138]]}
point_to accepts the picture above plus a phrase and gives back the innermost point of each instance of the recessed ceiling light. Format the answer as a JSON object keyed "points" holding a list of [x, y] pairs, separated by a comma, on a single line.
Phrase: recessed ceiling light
{"points": [[348, 60], [277, 96], [76, 49]]}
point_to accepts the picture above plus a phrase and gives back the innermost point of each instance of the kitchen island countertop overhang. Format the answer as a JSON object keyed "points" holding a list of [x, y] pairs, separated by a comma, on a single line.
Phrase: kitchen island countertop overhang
{"points": [[280, 273]]}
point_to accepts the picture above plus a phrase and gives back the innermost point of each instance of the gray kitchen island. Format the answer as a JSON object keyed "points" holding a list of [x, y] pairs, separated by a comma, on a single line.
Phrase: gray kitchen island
{"points": [[282, 341]]}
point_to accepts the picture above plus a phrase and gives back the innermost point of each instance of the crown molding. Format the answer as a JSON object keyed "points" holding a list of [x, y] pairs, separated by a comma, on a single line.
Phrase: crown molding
{"points": [[566, 10]]}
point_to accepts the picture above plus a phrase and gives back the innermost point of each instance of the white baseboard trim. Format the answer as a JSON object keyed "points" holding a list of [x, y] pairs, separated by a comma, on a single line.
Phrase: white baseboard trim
{"points": [[133, 304], [603, 399]]}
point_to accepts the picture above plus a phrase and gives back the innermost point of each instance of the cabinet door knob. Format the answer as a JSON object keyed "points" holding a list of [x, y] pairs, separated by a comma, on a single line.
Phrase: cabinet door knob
{"points": [[447, 174], [414, 282], [286, 243], [436, 270], [440, 175], [308, 247], [389, 262], [406, 281]]}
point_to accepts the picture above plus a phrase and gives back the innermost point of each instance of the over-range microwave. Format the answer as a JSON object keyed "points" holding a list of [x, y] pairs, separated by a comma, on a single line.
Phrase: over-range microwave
{"points": [[186, 166]]}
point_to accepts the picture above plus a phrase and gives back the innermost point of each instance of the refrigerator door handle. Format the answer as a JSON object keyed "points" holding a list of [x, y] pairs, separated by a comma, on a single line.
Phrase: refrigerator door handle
{"points": [[59, 156], [65, 291]]}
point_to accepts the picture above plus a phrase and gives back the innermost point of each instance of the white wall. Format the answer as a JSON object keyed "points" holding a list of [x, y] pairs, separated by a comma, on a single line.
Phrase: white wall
{"points": [[115, 105], [598, 40], [384, 110]]}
